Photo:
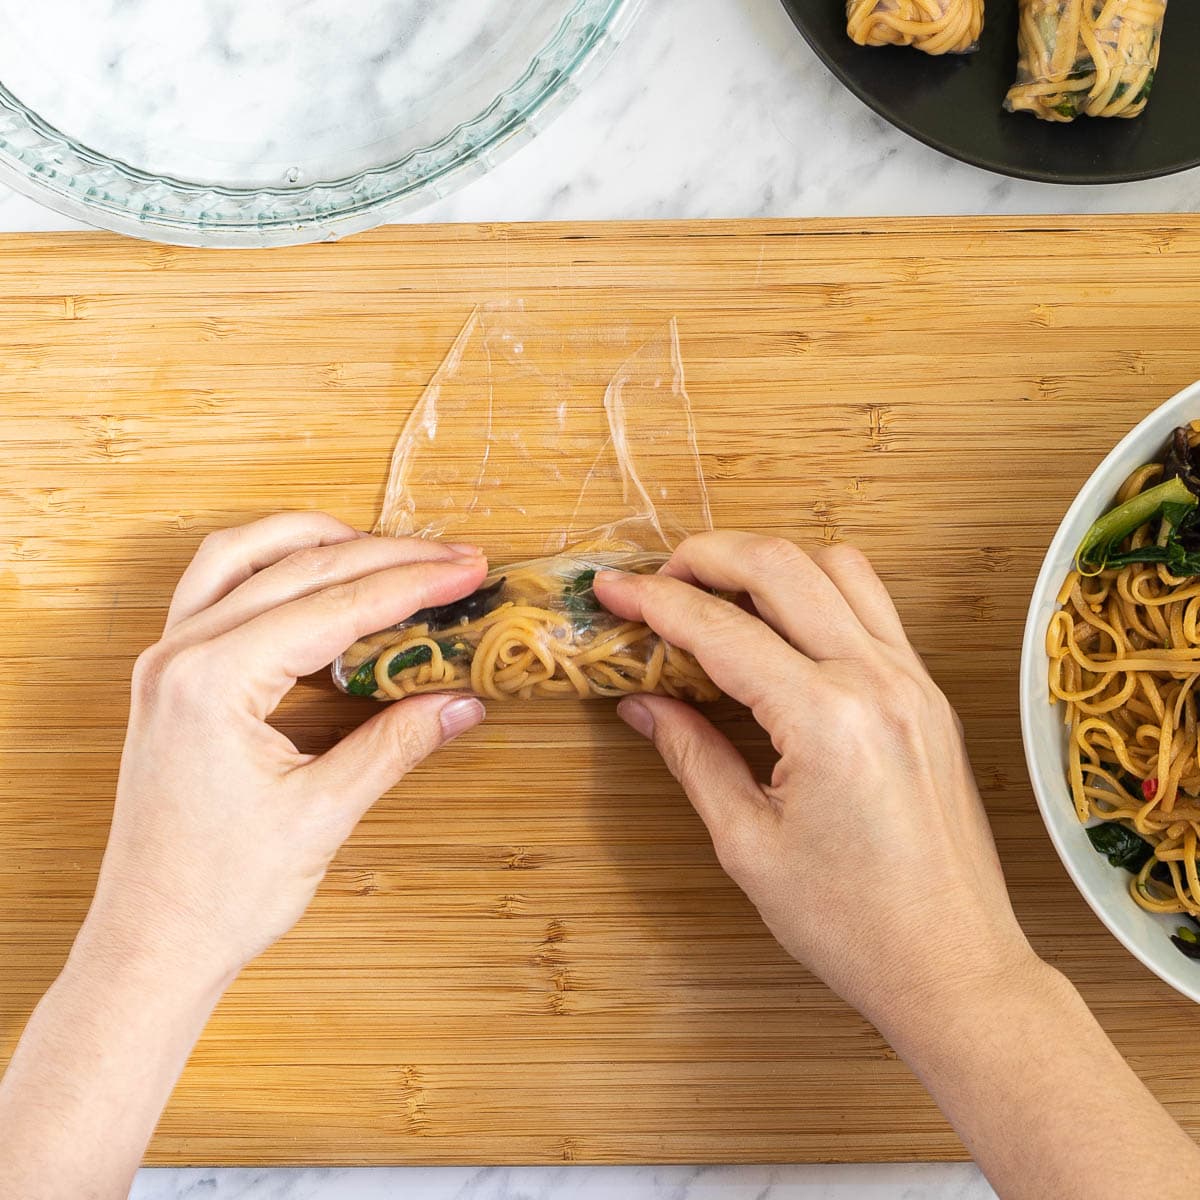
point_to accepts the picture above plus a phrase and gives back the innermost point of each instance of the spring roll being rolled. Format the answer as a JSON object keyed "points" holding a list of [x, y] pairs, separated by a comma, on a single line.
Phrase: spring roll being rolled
{"points": [[534, 631], [935, 26], [1092, 58]]}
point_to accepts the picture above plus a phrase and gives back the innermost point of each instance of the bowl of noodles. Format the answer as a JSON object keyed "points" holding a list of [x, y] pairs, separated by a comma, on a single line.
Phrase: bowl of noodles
{"points": [[1110, 691]]}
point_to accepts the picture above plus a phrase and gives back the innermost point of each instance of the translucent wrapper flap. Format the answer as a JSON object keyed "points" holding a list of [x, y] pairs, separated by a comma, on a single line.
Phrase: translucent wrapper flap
{"points": [[567, 469], [526, 459]]}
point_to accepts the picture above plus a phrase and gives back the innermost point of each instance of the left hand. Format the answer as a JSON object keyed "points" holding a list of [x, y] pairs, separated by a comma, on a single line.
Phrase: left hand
{"points": [[222, 828]]}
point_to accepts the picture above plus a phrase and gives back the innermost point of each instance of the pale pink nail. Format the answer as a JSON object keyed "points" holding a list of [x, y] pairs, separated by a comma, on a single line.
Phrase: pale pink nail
{"points": [[463, 550], [460, 715], [637, 716]]}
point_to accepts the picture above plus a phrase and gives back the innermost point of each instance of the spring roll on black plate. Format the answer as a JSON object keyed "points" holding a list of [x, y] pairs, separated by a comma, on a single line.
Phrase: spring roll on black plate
{"points": [[1092, 58], [935, 26]]}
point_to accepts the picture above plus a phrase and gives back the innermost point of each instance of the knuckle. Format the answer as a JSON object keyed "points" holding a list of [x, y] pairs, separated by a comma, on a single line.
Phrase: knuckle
{"points": [[683, 757], [338, 597], [847, 710], [661, 594], [896, 695], [734, 851], [711, 617], [217, 541], [938, 705], [408, 743], [314, 563], [729, 856], [904, 692], [905, 703], [317, 524], [956, 721], [854, 724], [163, 673], [319, 516], [844, 556], [147, 671], [188, 671], [772, 555], [654, 584], [699, 541]]}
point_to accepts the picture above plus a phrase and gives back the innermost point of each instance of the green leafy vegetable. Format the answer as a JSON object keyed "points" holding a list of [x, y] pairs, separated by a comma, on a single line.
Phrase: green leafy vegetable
{"points": [[1067, 108], [580, 600], [1177, 515], [1122, 846], [1176, 547], [1099, 548], [1144, 94], [362, 682]]}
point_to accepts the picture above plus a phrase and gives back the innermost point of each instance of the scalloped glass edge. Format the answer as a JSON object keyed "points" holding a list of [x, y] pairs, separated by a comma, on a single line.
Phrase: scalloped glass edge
{"points": [[41, 163]]}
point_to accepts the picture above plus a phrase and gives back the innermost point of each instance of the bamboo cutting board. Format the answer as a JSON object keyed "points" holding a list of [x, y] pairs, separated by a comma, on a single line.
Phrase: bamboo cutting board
{"points": [[528, 953]]}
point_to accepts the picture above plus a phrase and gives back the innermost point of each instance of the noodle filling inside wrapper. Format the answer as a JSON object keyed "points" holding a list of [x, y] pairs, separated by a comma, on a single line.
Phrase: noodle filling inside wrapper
{"points": [[934, 26], [1094, 58], [566, 474]]}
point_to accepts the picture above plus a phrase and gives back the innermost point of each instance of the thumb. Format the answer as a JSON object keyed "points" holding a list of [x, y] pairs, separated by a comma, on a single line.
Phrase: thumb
{"points": [[714, 775], [380, 752]]}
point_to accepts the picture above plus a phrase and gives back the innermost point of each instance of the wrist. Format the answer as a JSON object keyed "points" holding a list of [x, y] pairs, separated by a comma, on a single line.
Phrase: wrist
{"points": [[932, 1014], [135, 957]]}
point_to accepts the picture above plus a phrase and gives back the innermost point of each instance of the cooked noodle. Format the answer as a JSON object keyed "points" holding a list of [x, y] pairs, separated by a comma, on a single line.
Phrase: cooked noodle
{"points": [[1093, 58], [935, 26], [535, 643], [1124, 652]]}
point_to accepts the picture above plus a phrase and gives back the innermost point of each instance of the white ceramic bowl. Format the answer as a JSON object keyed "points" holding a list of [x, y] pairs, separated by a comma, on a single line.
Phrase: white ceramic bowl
{"points": [[1104, 887]]}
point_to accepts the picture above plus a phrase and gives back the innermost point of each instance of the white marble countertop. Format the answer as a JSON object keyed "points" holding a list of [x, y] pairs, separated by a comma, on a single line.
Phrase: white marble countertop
{"points": [[727, 113], [883, 1182], [723, 112]]}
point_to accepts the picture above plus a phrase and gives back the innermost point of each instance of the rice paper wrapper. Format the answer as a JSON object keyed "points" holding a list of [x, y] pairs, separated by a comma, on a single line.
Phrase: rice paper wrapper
{"points": [[933, 26], [564, 471], [1094, 58]]}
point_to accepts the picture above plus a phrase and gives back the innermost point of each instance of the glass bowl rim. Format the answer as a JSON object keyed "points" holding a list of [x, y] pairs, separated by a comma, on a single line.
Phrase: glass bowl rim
{"points": [[41, 162]]}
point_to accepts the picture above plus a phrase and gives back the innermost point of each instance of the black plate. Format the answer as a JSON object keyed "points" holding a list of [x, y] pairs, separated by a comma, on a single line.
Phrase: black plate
{"points": [[954, 103]]}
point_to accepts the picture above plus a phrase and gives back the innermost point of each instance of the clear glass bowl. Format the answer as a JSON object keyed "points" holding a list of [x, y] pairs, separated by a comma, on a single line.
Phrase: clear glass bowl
{"points": [[280, 121]]}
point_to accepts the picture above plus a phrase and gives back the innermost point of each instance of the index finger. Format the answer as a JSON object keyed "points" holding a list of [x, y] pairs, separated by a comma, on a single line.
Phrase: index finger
{"points": [[742, 655], [271, 651], [228, 557], [795, 596]]}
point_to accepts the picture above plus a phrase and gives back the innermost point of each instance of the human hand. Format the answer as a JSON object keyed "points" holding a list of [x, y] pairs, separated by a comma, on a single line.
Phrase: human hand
{"points": [[222, 828], [868, 853]]}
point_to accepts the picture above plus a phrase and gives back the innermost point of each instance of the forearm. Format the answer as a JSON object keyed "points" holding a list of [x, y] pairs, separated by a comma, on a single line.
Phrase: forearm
{"points": [[1041, 1097], [94, 1069]]}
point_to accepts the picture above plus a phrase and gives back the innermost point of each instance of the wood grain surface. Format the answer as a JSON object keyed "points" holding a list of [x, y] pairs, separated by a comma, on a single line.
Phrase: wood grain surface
{"points": [[528, 953]]}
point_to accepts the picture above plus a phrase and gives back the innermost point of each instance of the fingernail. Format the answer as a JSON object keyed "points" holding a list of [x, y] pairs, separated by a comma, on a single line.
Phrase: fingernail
{"points": [[460, 715], [463, 550], [637, 716]]}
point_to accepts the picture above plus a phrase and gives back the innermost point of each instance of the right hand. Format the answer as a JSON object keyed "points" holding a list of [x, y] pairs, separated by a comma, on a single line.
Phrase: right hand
{"points": [[868, 853]]}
